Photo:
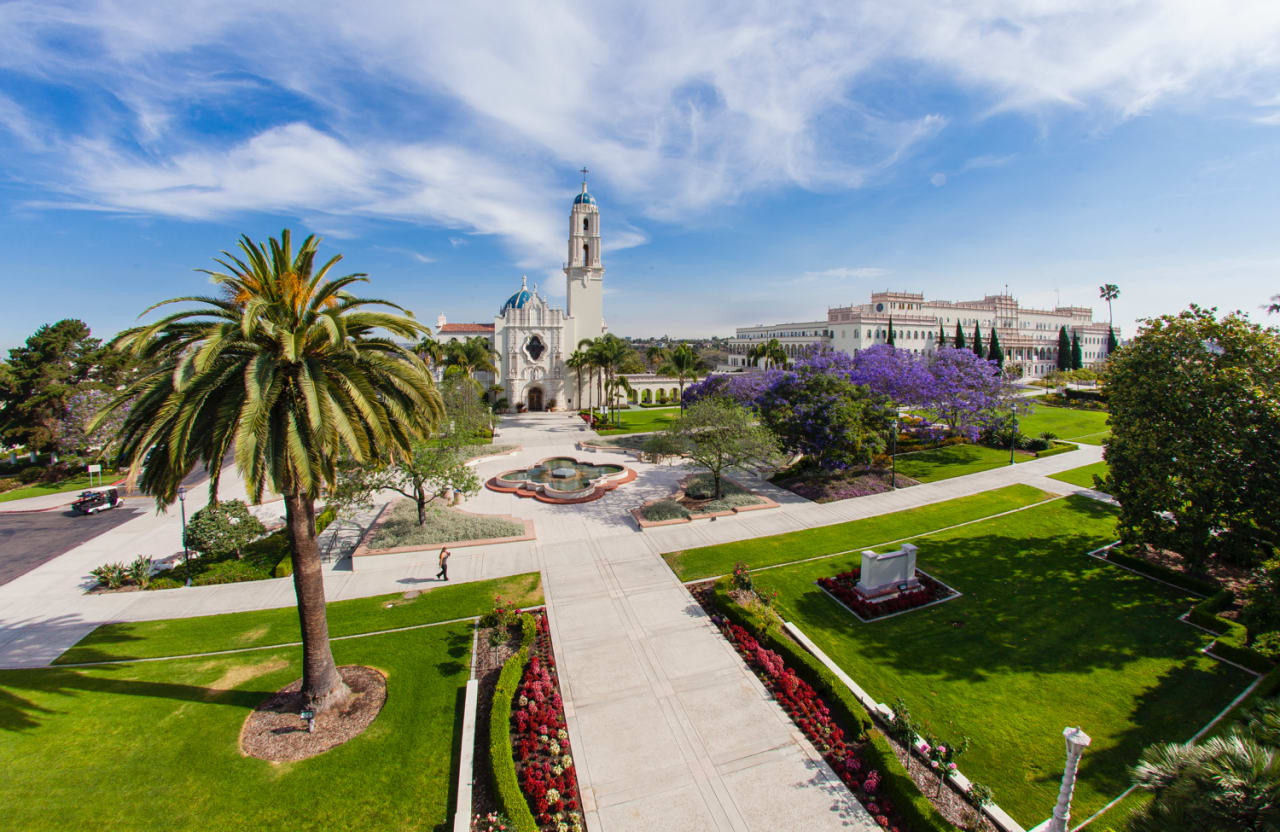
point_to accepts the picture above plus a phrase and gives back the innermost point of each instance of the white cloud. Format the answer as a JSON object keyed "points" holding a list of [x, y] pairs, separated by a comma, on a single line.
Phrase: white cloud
{"points": [[938, 179], [845, 272], [457, 242], [408, 252], [676, 107]]}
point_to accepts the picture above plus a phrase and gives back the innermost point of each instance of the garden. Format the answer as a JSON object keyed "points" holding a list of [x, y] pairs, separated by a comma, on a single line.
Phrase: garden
{"points": [[696, 498], [399, 527], [1042, 635], [123, 736]]}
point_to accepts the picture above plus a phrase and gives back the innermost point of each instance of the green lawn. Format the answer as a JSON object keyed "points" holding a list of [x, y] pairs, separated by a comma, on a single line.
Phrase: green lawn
{"points": [[79, 482], [1042, 638], [954, 461], [155, 746], [1087, 426], [1082, 476], [644, 420], [707, 561], [180, 636]]}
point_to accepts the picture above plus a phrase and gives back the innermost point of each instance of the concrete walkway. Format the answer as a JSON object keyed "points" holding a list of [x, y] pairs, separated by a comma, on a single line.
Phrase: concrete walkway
{"points": [[670, 729]]}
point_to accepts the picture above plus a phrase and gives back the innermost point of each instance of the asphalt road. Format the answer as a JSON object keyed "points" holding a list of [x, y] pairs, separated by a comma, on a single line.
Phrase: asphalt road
{"points": [[28, 540]]}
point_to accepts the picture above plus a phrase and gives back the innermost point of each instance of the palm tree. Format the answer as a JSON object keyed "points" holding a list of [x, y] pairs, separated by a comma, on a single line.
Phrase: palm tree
{"points": [[619, 385], [286, 367], [772, 353], [683, 364], [474, 355], [1227, 782], [577, 361], [1109, 292], [429, 350], [609, 352], [589, 364]]}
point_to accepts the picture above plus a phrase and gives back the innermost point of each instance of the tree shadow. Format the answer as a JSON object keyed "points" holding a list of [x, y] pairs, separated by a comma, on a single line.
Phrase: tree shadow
{"points": [[33, 637], [18, 713], [459, 706]]}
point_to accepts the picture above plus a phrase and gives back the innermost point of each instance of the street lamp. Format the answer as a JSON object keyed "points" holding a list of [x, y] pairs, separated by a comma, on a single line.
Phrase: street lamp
{"points": [[893, 455], [1013, 435], [186, 557], [1077, 741]]}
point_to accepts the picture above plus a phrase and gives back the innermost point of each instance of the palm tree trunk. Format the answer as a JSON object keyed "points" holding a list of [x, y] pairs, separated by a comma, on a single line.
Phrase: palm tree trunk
{"points": [[322, 685]]}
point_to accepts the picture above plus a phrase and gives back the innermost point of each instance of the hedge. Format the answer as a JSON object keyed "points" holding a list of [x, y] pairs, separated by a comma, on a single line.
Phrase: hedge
{"points": [[1200, 586], [510, 797], [1057, 448], [917, 812]]}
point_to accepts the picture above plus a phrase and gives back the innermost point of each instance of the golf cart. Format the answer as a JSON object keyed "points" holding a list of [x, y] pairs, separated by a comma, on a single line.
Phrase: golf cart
{"points": [[97, 499]]}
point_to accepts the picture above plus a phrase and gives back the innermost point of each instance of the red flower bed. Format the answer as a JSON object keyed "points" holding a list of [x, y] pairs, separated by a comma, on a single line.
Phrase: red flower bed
{"points": [[810, 713], [540, 741], [842, 587]]}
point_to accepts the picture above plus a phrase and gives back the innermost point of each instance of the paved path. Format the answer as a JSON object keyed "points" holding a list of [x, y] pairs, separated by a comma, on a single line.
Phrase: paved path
{"points": [[656, 700]]}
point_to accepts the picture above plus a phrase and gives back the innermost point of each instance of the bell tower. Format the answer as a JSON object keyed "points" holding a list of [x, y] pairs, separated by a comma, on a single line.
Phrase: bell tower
{"points": [[584, 270]]}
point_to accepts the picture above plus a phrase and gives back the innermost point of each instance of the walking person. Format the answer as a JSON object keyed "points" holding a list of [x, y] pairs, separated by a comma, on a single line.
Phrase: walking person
{"points": [[443, 574]]}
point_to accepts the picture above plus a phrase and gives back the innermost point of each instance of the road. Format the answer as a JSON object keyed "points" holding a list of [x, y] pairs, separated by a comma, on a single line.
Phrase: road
{"points": [[29, 540]]}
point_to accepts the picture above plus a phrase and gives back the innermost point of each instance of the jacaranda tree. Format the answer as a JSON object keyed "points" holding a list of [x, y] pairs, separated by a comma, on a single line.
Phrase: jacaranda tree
{"points": [[290, 370]]}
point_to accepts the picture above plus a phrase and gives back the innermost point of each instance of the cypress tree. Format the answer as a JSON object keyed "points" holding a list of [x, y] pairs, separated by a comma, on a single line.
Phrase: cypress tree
{"points": [[1077, 357], [959, 344], [1112, 345], [996, 352], [1064, 349], [977, 341], [890, 341], [942, 336]]}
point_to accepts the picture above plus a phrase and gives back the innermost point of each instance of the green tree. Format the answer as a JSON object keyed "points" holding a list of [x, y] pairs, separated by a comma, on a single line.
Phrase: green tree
{"points": [[959, 339], [1195, 421], [466, 358], [223, 528], [942, 336], [1112, 344], [977, 341], [654, 356], [995, 352], [430, 472], [1109, 292], [578, 362], [1064, 349], [292, 371], [891, 339], [608, 353], [466, 417], [1077, 355], [56, 362], [832, 421], [430, 350], [771, 353], [683, 365], [717, 434]]}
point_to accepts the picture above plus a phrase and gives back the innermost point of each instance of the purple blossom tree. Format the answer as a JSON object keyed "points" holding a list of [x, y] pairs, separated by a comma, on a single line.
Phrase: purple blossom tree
{"points": [[895, 373], [743, 388], [968, 392]]}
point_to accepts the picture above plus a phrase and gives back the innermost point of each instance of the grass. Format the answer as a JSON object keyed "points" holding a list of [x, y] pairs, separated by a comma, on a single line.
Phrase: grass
{"points": [[1087, 426], [954, 461], [1082, 476], [80, 482], [180, 636], [692, 564], [155, 746], [400, 528], [1043, 637], [643, 420]]}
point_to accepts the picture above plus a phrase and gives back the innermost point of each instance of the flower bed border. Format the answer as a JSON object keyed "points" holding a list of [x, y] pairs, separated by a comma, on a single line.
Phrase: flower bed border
{"points": [[955, 593], [638, 513], [363, 549], [495, 484]]}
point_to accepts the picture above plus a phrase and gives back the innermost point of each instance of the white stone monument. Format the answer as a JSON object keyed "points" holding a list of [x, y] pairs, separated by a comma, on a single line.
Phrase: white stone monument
{"points": [[886, 574]]}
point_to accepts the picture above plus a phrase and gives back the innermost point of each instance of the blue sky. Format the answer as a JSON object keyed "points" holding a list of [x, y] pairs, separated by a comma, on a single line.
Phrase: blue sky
{"points": [[752, 165]]}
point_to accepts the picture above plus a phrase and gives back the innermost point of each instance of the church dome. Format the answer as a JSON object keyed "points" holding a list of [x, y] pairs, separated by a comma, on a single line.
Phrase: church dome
{"points": [[520, 298], [584, 198]]}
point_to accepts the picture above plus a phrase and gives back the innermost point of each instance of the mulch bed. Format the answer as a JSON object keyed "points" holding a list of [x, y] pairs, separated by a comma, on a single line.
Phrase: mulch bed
{"points": [[1238, 579], [275, 732], [827, 487], [489, 661]]}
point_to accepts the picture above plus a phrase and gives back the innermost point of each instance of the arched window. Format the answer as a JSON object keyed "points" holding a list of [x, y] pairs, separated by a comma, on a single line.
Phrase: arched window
{"points": [[585, 224], [586, 254]]}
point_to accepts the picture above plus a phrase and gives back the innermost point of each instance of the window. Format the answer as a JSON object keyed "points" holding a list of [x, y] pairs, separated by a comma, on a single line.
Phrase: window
{"points": [[586, 254], [586, 224], [534, 348]]}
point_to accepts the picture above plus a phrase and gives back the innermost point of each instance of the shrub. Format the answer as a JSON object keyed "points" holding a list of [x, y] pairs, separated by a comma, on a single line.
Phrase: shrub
{"points": [[163, 582], [443, 526], [266, 553], [731, 501], [665, 510], [702, 487], [223, 528], [1268, 645], [30, 474], [284, 568], [324, 518], [510, 798], [140, 571], [112, 575], [229, 572], [9, 483], [1199, 585]]}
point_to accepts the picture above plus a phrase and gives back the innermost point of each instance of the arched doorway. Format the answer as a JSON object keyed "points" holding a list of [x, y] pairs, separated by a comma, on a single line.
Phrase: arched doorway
{"points": [[534, 398]]}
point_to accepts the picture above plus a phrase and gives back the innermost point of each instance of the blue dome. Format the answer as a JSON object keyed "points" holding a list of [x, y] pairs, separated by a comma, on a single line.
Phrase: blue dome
{"points": [[584, 198], [518, 300]]}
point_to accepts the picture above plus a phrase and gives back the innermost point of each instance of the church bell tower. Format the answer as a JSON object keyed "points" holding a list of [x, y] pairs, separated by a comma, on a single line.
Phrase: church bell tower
{"points": [[584, 270]]}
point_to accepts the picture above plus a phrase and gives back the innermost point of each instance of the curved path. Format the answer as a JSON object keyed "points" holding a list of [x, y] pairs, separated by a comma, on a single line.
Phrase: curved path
{"points": [[670, 728]]}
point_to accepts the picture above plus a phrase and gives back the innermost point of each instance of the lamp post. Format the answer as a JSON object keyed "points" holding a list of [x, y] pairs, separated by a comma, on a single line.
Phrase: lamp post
{"points": [[1077, 741], [1013, 434], [893, 455], [186, 557]]}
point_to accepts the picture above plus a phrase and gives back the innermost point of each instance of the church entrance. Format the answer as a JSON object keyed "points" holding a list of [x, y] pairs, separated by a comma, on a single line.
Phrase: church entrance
{"points": [[534, 398]]}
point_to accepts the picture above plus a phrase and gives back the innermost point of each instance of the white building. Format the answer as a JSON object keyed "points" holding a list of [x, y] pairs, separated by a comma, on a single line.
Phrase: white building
{"points": [[533, 338], [1029, 337]]}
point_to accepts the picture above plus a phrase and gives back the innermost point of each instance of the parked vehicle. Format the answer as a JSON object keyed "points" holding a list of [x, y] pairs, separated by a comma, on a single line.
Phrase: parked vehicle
{"points": [[97, 499]]}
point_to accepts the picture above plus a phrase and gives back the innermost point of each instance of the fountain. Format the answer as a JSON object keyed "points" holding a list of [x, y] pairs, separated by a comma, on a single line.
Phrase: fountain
{"points": [[562, 480]]}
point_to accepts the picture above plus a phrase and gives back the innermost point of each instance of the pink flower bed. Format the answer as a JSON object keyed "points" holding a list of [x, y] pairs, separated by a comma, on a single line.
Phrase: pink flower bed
{"points": [[842, 586], [811, 715], [540, 740]]}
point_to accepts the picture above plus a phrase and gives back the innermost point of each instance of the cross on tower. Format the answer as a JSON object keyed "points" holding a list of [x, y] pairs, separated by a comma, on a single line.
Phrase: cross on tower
{"points": [[584, 173]]}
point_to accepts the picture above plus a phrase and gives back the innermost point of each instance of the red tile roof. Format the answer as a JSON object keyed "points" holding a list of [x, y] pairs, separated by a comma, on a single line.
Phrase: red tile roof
{"points": [[466, 328]]}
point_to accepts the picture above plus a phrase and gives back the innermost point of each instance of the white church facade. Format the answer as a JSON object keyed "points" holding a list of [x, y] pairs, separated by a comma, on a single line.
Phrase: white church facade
{"points": [[532, 338]]}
